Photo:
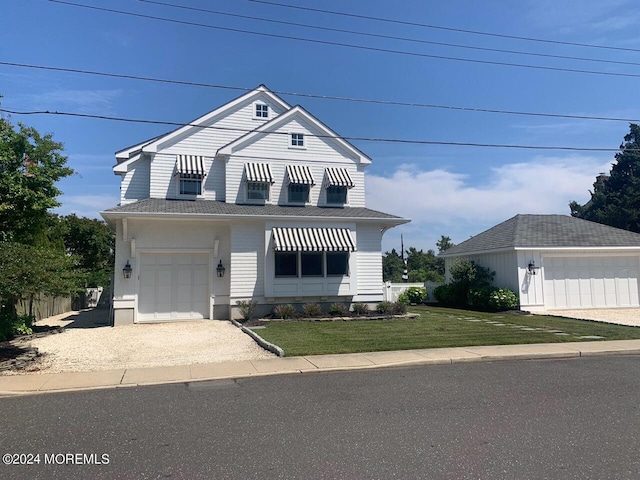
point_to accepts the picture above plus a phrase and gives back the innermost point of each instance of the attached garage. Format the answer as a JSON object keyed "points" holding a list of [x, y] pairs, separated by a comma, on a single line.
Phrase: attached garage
{"points": [[556, 262], [591, 282], [173, 286]]}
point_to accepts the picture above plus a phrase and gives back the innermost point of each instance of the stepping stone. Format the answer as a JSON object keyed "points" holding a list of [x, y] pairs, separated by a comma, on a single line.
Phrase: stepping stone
{"points": [[562, 334], [518, 326], [499, 324], [528, 329], [554, 331], [473, 320], [591, 337]]}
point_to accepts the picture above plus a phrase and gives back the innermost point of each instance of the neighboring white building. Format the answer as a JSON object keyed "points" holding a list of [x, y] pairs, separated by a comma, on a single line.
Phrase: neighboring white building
{"points": [[557, 262], [258, 188]]}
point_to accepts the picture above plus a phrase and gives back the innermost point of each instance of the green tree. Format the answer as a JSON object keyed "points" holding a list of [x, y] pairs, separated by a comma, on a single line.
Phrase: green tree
{"points": [[392, 267], [616, 200], [444, 244], [93, 242], [424, 266], [30, 165]]}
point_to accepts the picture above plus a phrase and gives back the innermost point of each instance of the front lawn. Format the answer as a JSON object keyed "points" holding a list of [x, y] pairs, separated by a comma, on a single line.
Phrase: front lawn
{"points": [[435, 328]]}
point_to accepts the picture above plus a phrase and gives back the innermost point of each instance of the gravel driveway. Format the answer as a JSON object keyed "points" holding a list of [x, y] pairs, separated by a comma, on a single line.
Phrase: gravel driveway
{"points": [[621, 316], [88, 345]]}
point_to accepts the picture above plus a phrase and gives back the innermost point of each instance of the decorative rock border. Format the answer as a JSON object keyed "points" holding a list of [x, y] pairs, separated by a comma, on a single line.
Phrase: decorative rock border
{"points": [[21, 361], [259, 340]]}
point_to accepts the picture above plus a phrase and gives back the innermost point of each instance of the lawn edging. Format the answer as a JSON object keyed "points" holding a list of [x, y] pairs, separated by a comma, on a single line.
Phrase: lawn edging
{"points": [[259, 340]]}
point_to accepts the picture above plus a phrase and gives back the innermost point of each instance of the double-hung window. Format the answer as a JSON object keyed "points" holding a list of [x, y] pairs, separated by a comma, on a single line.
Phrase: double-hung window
{"points": [[190, 169], [300, 182], [258, 182]]}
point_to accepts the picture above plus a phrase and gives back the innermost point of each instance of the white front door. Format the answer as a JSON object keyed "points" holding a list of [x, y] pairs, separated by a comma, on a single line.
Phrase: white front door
{"points": [[173, 286], [590, 282]]}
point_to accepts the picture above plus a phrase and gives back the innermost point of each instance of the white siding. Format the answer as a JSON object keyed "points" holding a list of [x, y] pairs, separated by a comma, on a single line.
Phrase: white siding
{"points": [[369, 262], [505, 264], [247, 260], [531, 292], [135, 183]]}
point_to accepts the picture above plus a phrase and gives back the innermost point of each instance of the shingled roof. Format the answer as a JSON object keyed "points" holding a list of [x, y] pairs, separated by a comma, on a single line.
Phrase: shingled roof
{"points": [[545, 231], [222, 209]]}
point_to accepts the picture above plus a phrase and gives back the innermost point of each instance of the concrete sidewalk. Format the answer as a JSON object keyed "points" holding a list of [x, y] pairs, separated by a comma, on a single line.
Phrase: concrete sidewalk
{"points": [[45, 383]]}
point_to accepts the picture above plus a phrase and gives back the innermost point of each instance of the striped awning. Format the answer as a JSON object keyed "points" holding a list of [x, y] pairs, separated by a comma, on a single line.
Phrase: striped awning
{"points": [[338, 177], [258, 172], [313, 240], [300, 174], [190, 165]]}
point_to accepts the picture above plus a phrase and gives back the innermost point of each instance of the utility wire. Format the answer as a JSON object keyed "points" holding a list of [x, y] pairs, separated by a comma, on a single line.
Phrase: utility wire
{"points": [[336, 137], [390, 37], [348, 45], [317, 96], [450, 29]]}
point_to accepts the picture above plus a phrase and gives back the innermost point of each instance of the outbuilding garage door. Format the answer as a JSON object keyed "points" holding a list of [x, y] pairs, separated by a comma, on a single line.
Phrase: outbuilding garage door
{"points": [[590, 282], [173, 286]]}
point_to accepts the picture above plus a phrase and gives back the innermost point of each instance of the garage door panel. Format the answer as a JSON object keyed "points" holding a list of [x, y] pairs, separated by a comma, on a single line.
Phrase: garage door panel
{"points": [[585, 282], [173, 286]]}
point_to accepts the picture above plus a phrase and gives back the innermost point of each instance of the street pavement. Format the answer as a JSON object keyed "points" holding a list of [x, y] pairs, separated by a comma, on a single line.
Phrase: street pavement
{"points": [[44, 383], [571, 418]]}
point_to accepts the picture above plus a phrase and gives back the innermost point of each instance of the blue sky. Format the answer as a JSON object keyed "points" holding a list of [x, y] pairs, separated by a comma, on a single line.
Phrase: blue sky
{"points": [[445, 190]]}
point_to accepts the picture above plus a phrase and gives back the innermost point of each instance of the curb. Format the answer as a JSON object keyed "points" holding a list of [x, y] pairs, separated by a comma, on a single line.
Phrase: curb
{"points": [[259, 340]]}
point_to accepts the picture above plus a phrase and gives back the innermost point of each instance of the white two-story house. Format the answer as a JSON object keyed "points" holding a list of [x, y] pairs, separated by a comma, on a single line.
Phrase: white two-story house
{"points": [[256, 200]]}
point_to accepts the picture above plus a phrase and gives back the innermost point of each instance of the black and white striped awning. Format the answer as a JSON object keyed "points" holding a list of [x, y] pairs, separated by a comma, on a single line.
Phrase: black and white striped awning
{"points": [[338, 177], [258, 172], [313, 240], [192, 165], [300, 174]]}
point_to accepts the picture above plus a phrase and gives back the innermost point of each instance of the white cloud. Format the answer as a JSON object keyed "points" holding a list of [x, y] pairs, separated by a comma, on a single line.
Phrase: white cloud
{"points": [[440, 202]]}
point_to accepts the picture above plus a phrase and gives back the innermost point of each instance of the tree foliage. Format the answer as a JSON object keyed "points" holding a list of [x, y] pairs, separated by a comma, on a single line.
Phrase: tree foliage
{"points": [[30, 165], [421, 266], [616, 201]]}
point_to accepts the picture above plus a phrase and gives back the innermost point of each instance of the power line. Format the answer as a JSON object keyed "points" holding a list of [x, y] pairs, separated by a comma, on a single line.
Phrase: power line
{"points": [[360, 139], [317, 96], [348, 45], [450, 29], [390, 37]]}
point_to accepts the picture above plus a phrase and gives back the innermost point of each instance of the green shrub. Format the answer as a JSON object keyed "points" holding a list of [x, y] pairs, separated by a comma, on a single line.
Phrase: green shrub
{"points": [[360, 308], [284, 311], [493, 299], [246, 308], [338, 310], [384, 308], [11, 325], [448, 295], [415, 295], [399, 308], [404, 298], [311, 310]]}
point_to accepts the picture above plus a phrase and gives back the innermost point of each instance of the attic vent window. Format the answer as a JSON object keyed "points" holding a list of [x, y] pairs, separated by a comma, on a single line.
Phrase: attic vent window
{"points": [[262, 110], [297, 140]]}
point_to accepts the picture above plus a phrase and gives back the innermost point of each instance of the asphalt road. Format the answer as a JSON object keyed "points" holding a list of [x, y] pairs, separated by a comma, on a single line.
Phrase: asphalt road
{"points": [[560, 419]]}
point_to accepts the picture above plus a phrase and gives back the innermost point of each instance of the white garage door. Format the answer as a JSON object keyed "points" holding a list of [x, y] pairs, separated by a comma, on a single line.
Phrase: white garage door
{"points": [[173, 286], [590, 282]]}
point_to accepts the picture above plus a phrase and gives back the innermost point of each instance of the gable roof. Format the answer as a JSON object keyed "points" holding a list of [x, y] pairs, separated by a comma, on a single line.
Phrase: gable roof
{"points": [[545, 232], [215, 209], [151, 145], [296, 112]]}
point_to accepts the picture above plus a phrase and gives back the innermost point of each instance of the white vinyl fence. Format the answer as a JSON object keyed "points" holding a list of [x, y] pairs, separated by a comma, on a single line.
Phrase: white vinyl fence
{"points": [[391, 291]]}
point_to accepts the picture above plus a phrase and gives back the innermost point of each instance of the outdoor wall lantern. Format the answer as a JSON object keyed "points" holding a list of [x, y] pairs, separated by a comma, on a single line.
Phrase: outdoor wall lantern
{"points": [[126, 271], [531, 268], [220, 269]]}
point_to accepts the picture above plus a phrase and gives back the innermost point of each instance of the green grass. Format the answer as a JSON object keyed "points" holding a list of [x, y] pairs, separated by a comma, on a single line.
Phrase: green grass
{"points": [[435, 328]]}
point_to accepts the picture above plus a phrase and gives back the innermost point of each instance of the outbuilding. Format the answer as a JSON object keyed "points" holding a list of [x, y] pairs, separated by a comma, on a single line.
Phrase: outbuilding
{"points": [[557, 262]]}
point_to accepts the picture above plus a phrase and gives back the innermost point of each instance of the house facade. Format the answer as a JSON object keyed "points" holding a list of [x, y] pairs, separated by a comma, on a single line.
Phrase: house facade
{"points": [[556, 262], [256, 200]]}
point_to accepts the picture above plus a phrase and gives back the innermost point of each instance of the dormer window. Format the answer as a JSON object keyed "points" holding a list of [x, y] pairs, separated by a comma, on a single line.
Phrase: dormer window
{"points": [[190, 169], [259, 180], [337, 181], [262, 110], [300, 182], [297, 140]]}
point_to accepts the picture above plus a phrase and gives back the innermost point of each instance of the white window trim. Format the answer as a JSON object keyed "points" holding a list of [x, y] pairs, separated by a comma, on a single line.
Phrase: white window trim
{"points": [[330, 204], [297, 147], [255, 201], [292, 202], [256, 117], [188, 195]]}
